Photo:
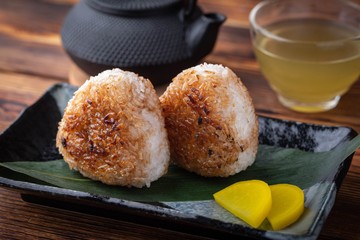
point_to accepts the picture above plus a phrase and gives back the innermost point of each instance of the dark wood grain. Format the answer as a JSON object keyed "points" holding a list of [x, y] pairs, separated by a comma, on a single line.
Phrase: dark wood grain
{"points": [[32, 59]]}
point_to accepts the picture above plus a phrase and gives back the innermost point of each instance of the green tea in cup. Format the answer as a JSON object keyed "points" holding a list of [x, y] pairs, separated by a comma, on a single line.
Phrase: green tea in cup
{"points": [[309, 51]]}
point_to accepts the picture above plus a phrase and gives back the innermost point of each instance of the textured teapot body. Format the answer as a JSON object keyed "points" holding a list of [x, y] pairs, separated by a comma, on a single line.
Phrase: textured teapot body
{"points": [[155, 42]]}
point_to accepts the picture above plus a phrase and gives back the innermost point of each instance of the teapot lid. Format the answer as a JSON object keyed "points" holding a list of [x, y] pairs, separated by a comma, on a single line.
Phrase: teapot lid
{"points": [[130, 7]]}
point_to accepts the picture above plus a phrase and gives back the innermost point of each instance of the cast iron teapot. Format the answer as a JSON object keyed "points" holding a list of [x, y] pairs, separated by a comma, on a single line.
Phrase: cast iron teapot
{"points": [[155, 38]]}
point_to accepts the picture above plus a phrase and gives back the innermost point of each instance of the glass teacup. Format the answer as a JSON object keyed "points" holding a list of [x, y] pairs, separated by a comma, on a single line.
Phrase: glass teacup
{"points": [[308, 50]]}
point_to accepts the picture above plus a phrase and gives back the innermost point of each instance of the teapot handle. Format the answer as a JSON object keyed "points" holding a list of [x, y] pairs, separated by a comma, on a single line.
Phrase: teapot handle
{"points": [[189, 8]]}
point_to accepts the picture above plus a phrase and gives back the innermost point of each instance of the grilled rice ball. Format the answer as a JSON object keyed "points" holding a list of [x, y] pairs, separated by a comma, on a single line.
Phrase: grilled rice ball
{"points": [[211, 121], [113, 130]]}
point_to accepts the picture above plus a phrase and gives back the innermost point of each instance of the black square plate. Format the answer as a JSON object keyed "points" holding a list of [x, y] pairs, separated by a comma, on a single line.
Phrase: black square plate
{"points": [[32, 138]]}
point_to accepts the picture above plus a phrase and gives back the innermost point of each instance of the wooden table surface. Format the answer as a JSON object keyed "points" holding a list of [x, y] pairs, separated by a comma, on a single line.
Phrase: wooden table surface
{"points": [[32, 59]]}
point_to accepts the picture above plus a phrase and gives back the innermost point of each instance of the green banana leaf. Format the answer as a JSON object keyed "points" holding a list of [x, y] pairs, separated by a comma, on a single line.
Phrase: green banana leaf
{"points": [[273, 165]]}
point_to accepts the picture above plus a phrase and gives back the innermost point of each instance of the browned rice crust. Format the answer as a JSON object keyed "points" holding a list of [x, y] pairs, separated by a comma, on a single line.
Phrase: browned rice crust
{"points": [[200, 118], [103, 133]]}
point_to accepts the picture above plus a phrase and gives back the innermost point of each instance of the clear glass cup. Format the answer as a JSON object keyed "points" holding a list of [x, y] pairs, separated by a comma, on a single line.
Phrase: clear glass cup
{"points": [[308, 50]]}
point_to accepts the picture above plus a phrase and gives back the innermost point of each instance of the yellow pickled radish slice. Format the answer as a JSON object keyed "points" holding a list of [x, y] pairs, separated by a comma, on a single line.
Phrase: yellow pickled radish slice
{"points": [[248, 200], [287, 205]]}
